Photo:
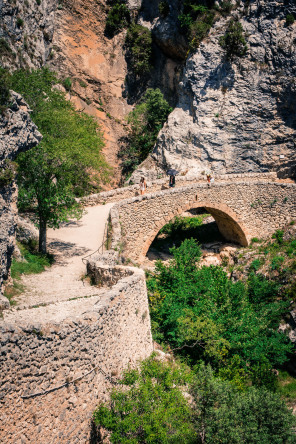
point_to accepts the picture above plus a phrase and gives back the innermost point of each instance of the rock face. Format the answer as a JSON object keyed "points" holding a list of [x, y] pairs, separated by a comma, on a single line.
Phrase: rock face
{"points": [[238, 116], [27, 28], [17, 133]]}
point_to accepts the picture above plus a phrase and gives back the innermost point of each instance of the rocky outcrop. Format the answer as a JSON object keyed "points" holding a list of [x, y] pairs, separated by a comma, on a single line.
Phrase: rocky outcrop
{"points": [[17, 133], [26, 32], [238, 116]]}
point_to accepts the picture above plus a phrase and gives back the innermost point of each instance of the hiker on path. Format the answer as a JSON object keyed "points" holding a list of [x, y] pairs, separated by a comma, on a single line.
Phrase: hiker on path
{"points": [[143, 186]]}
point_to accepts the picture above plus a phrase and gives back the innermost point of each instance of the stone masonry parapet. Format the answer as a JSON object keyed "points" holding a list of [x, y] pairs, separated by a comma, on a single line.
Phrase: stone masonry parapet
{"points": [[42, 357], [130, 191]]}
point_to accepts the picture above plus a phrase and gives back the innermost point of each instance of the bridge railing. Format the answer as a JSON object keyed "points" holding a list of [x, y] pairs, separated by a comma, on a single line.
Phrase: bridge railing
{"points": [[162, 184]]}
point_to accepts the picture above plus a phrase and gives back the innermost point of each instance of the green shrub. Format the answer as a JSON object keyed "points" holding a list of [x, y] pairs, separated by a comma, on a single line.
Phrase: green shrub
{"points": [[279, 236], [228, 416], [139, 44], [195, 21], [255, 265], [146, 120], [118, 18], [38, 2], [201, 313], [4, 47], [233, 42], [226, 7], [19, 22], [277, 262], [67, 83], [148, 407], [290, 19], [164, 8]]}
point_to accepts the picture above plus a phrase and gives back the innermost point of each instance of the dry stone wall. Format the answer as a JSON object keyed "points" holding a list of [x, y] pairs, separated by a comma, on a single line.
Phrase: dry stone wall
{"points": [[242, 210], [72, 361]]}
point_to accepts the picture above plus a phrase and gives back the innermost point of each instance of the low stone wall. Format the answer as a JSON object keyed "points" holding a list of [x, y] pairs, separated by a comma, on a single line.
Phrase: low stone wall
{"points": [[67, 366], [131, 191]]}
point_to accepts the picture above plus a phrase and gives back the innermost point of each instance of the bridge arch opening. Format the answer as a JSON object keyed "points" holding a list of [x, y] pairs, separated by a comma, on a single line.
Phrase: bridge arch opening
{"points": [[228, 223]]}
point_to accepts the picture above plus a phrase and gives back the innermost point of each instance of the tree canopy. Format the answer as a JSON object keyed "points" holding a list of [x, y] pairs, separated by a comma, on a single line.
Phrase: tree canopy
{"points": [[67, 163]]}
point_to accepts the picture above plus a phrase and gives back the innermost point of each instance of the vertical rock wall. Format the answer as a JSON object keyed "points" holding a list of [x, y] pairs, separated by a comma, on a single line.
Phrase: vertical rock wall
{"points": [[17, 133], [237, 116]]}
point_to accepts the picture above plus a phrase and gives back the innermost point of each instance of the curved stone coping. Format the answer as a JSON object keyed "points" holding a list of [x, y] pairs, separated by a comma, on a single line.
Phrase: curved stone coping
{"points": [[130, 191]]}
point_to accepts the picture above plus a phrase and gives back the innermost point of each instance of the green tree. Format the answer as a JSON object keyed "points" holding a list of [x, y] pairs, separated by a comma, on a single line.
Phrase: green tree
{"points": [[139, 44], [146, 120], [224, 415], [67, 163], [149, 407], [233, 41], [118, 18], [202, 314]]}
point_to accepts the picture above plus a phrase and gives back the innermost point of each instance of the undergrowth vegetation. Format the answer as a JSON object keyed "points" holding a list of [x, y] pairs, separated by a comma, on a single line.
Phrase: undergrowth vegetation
{"points": [[204, 315], [145, 122], [30, 262], [118, 17], [139, 46]]}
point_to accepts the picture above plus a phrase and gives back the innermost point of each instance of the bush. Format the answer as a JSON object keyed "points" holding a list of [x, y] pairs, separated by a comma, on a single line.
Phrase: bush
{"points": [[279, 236], [203, 314], [145, 121], [233, 41], [67, 83], [19, 22], [4, 47], [226, 7], [139, 44], [195, 22], [290, 19], [225, 415], [118, 18], [152, 410], [164, 8]]}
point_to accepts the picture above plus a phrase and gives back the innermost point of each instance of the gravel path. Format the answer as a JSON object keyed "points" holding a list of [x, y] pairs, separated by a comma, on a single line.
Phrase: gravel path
{"points": [[63, 281]]}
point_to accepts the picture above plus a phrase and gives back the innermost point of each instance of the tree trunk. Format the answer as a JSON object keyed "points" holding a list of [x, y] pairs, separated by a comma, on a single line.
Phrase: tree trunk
{"points": [[42, 236]]}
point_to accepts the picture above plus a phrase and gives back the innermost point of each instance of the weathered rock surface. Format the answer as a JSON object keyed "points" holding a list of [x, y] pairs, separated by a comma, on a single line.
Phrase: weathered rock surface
{"points": [[28, 28], [239, 116], [17, 133]]}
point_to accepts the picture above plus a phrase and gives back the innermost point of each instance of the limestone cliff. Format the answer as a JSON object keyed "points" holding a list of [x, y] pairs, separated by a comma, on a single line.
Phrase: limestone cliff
{"points": [[26, 31], [235, 116], [17, 133]]}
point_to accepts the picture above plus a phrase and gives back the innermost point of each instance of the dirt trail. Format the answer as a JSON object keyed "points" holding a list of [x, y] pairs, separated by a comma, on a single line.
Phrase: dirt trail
{"points": [[63, 281]]}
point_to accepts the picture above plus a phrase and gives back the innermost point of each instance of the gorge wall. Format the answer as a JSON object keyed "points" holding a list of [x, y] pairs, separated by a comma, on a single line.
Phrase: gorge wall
{"points": [[17, 133], [229, 117], [235, 116]]}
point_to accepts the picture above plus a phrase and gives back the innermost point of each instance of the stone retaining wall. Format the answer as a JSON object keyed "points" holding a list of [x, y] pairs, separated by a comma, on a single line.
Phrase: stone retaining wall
{"points": [[44, 355], [242, 210], [131, 191]]}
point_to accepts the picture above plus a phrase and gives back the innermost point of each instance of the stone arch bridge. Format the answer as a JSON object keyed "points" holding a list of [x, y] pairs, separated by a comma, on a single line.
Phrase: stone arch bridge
{"points": [[242, 210]]}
